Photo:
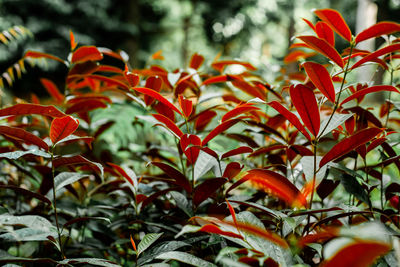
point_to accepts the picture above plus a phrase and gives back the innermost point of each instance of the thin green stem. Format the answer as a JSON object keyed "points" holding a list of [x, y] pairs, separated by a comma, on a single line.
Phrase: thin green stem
{"points": [[390, 96]]}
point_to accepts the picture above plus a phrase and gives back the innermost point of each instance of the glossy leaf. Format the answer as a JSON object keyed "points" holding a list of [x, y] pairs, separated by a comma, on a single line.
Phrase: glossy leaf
{"points": [[174, 174], [34, 54], [336, 21], [219, 129], [193, 151], [374, 55], [323, 47], [22, 135], [350, 143], [325, 32], [196, 61], [28, 109], [306, 105], [18, 154], [378, 29], [220, 65], [85, 106], [372, 89], [73, 44], [157, 96], [277, 185], [185, 258], [62, 127], [67, 178], [207, 189], [76, 160], [290, 117], [122, 172], [186, 106], [169, 123], [26, 193], [321, 78], [213, 229], [237, 151], [86, 53], [239, 109], [52, 90], [147, 241]]}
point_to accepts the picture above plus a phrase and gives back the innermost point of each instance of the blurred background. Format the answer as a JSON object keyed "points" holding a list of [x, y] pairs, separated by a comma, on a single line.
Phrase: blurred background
{"points": [[258, 31]]}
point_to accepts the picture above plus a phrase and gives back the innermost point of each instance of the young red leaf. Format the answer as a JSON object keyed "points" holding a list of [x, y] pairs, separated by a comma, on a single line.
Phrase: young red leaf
{"points": [[297, 55], [379, 29], [213, 229], [86, 105], [132, 78], [376, 54], [336, 21], [207, 189], [28, 109], [122, 172], [107, 80], [350, 143], [237, 151], [325, 32], [133, 243], [155, 83], [186, 106], [72, 40], [192, 152], [76, 160], [218, 79], [323, 47], [158, 55], [310, 24], [62, 127], [196, 61], [34, 54], [377, 142], [232, 170], [220, 65], [361, 253], [304, 100], [204, 118], [169, 123], [239, 109], [219, 129], [79, 98], [290, 117], [174, 174], [321, 78], [52, 90], [157, 96], [372, 89], [21, 134], [232, 212], [86, 53], [277, 185]]}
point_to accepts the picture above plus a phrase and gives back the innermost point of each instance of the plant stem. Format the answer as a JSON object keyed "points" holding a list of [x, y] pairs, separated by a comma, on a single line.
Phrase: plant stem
{"points": [[55, 201]]}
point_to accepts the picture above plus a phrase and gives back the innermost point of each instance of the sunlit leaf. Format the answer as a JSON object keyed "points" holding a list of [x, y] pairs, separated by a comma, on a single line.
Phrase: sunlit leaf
{"points": [[24, 136], [86, 53], [321, 78], [28, 109], [323, 47], [378, 29], [62, 127], [336, 21], [147, 241], [368, 90]]}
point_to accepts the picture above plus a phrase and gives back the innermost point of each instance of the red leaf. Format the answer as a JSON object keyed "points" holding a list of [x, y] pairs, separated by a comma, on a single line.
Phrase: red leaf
{"points": [[155, 83], [237, 151], [290, 117], [297, 55], [372, 89], [219, 129], [321, 78], [277, 185], [376, 54], [319, 237], [157, 96], [375, 143], [350, 143], [186, 106], [86, 53], [122, 172], [239, 109], [21, 134], [108, 80], [325, 32], [62, 127], [232, 212], [336, 21], [74, 160], [79, 98], [232, 170], [310, 24], [361, 253], [304, 100], [132, 78], [52, 90], [133, 244], [85, 105], [324, 48], [220, 65], [196, 61], [217, 79], [158, 55], [203, 119], [207, 189], [174, 174], [213, 229], [72, 40], [34, 54], [192, 152], [28, 109], [164, 110], [170, 124], [381, 28], [249, 89]]}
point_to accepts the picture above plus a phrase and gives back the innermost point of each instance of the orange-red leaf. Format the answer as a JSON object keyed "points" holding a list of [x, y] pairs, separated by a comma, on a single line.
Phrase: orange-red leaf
{"points": [[72, 40], [169, 123], [86, 105], [374, 55], [220, 65], [21, 134], [372, 89], [219, 129], [350, 143], [381, 28], [277, 185], [323, 47], [361, 253], [28, 109], [321, 78], [196, 61], [237, 151], [107, 80], [304, 100], [52, 90], [34, 54], [157, 96], [336, 21], [290, 117], [310, 24], [207, 189], [74, 160], [62, 127], [297, 55], [86, 53], [192, 152], [173, 173], [239, 109], [133, 243], [232, 212], [122, 172], [186, 106], [325, 32], [213, 229]]}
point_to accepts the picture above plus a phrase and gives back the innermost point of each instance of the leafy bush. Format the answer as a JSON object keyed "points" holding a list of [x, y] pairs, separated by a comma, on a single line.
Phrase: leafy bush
{"points": [[198, 166]]}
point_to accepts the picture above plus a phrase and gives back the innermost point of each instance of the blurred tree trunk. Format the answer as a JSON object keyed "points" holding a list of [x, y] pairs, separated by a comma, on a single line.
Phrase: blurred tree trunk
{"points": [[292, 67], [133, 17]]}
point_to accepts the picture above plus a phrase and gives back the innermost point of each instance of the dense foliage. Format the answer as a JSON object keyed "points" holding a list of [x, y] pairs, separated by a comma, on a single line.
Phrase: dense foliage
{"points": [[200, 166]]}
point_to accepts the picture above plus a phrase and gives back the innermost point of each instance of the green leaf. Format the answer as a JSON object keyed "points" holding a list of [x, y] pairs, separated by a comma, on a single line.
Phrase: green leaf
{"points": [[182, 203], [204, 163], [31, 221], [161, 248], [185, 258], [337, 119], [66, 178], [307, 162], [147, 241], [28, 234], [188, 229], [92, 261], [18, 154], [353, 187]]}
